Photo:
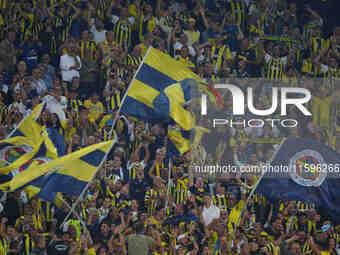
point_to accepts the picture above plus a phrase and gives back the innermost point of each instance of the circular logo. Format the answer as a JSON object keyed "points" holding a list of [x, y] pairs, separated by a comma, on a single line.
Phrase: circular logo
{"points": [[304, 168], [11, 153], [31, 163]]}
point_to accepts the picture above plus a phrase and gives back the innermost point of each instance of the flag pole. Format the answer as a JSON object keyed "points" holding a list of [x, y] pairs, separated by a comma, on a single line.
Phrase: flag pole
{"points": [[256, 185], [77, 215], [18, 126], [169, 182], [126, 93], [87, 185], [110, 134]]}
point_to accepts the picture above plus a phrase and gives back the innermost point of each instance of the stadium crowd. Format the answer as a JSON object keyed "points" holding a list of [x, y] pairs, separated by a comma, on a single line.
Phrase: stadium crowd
{"points": [[80, 56]]}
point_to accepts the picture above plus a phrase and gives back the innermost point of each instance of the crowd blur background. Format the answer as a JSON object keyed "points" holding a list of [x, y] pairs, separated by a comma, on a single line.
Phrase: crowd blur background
{"points": [[80, 56]]}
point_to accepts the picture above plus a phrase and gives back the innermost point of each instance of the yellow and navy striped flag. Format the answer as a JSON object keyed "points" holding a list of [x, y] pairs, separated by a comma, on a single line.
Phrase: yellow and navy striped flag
{"points": [[52, 146], [22, 143], [68, 174], [28, 127], [179, 140], [157, 72], [169, 104]]}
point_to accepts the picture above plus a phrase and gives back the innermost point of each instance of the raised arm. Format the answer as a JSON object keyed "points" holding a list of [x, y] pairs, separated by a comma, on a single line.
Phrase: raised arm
{"points": [[158, 9], [314, 247], [205, 20], [50, 10], [77, 12]]}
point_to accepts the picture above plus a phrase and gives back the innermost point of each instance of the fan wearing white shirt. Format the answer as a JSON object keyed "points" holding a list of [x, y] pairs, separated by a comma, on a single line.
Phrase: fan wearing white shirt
{"points": [[56, 102], [210, 211], [3, 86], [70, 64], [183, 41], [96, 26], [38, 83], [98, 31]]}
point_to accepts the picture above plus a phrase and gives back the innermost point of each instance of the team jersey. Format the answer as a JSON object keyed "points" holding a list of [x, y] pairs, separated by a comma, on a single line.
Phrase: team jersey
{"points": [[87, 48], [123, 31], [274, 67], [145, 26]]}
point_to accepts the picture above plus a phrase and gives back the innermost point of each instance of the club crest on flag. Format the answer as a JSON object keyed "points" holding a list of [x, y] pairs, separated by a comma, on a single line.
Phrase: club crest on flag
{"points": [[11, 153], [34, 162], [31, 163], [305, 166]]}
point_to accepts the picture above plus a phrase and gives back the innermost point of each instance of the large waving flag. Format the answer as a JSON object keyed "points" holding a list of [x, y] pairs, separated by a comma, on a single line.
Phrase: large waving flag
{"points": [[170, 103], [312, 175], [28, 127], [160, 91], [22, 143], [68, 174], [157, 72], [52, 145], [179, 140]]}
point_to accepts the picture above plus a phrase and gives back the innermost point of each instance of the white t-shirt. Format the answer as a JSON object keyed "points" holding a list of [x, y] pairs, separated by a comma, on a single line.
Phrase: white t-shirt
{"points": [[98, 37], [210, 213], [4, 88], [324, 68], [179, 46], [54, 106], [66, 62], [39, 86]]}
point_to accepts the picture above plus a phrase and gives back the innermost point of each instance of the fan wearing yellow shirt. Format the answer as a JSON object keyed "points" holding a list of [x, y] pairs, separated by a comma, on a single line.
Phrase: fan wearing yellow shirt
{"points": [[234, 209], [192, 33], [4, 242], [95, 107], [321, 107], [2, 22]]}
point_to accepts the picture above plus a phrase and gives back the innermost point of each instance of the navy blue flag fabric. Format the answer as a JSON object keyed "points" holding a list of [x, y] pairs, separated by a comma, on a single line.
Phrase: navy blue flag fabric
{"points": [[58, 141], [312, 175]]}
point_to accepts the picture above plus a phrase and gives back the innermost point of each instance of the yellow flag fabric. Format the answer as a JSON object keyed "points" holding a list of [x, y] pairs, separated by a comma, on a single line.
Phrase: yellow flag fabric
{"points": [[23, 143], [155, 75], [80, 166]]}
